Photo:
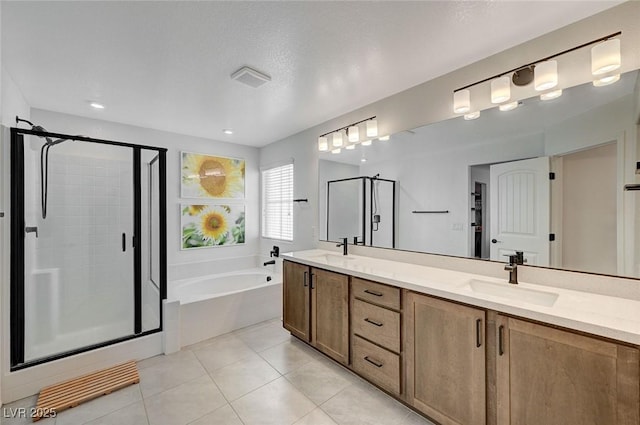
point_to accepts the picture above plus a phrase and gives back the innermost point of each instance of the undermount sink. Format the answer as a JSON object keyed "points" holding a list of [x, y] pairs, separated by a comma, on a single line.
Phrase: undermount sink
{"points": [[513, 292], [334, 259]]}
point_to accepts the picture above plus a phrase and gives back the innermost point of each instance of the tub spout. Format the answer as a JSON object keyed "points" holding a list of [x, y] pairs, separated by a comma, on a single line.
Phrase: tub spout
{"points": [[269, 262]]}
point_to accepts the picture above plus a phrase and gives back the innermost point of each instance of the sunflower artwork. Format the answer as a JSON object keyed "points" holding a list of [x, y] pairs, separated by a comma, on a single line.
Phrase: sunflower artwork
{"points": [[206, 176], [204, 226]]}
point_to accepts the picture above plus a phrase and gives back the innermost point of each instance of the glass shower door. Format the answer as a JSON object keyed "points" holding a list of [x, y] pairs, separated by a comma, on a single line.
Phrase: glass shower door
{"points": [[78, 245]]}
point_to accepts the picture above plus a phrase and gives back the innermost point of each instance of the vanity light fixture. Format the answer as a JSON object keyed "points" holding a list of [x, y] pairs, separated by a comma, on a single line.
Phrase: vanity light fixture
{"points": [[353, 136], [605, 58], [472, 116], [546, 75], [554, 94], [323, 144], [605, 81], [351, 146], [336, 140], [384, 138], [372, 128], [508, 106]]}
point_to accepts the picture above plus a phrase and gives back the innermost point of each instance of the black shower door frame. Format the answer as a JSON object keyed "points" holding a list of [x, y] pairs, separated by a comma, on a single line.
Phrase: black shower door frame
{"points": [[17, 296]]}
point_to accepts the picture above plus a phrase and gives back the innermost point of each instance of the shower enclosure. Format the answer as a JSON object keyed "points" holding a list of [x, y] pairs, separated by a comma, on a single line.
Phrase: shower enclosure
{"points": [[362, 209], [88, 243]]}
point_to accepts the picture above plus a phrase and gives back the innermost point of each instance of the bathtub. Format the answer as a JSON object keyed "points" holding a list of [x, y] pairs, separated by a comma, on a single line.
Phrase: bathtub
{"points": [[216, 304]]}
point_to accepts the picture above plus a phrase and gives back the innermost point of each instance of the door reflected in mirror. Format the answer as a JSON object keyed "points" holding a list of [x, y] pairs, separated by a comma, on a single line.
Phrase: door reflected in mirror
{"points": [[546, 178]]}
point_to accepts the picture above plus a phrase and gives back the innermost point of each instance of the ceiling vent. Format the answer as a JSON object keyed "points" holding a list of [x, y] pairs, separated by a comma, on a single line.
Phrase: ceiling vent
{"points": [[250, 77]]}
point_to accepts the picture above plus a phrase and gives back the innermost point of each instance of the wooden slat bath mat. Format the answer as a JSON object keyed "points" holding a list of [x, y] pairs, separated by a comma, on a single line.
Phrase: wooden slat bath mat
{"points": [[65, 395]]}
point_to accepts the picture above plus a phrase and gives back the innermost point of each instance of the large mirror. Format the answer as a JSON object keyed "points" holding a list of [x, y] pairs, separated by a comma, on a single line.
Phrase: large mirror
{"points": [[546, 178]]}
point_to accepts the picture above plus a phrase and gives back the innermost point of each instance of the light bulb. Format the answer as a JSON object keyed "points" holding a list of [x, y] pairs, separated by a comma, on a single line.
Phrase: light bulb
{"points": [[605, 81], [461, 101], [336, 140], [508, 106], [472, 115], [354, 133], [551, 95], [500, 90], [546, 75], [323, 144], [372, 128], [605, 57]]}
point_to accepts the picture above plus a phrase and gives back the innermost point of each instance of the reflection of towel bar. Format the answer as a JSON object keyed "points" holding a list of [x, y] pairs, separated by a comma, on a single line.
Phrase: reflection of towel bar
{"points": [[301, 200], [431, 212]]}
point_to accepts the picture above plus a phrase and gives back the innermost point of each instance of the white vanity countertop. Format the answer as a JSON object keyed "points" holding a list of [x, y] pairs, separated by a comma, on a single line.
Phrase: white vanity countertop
{"points": [[611, 317]]}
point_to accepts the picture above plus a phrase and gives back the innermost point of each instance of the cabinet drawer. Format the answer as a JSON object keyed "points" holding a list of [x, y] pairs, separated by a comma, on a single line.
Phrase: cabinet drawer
{"points": [[376, 324], [380, 366], [376, 293]]}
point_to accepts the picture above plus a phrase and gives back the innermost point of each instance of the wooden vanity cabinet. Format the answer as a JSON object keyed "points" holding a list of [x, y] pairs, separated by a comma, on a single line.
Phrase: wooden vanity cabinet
{"points": [[550, 376], [296, 300], [330, 314], [445, 360], [316, 308]]}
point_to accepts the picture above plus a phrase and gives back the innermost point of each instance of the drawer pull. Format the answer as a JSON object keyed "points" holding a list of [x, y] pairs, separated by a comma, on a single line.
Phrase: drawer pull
{"points": [[373, 362], [373, 322], [501, 340], [369, 291]]}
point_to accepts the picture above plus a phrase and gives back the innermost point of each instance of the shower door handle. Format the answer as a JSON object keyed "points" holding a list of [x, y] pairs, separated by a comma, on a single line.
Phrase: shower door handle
{"points": [[31, 229], [124, 242]]}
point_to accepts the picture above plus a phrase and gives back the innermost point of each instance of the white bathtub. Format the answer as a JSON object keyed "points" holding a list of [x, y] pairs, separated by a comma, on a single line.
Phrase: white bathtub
{"points": [[213, 305]]}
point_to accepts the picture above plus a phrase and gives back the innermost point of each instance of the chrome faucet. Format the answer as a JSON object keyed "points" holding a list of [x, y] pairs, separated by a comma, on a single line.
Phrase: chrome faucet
{"points": [[344, 245], [514, 261]]}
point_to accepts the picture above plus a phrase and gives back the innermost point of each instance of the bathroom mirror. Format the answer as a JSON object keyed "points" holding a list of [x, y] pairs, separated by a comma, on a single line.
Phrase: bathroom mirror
{"points": [[546, 178]]}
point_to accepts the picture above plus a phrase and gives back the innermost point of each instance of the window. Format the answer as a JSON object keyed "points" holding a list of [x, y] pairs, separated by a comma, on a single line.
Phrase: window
{"points": [[277, 203]]}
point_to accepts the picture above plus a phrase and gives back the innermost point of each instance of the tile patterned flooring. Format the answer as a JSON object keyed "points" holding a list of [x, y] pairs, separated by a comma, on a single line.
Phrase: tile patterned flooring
{"points": [[256, 375]]}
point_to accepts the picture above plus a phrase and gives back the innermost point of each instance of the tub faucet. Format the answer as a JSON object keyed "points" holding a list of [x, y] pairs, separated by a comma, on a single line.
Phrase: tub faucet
{"points": [[266, 263], [514, 261], [344, 245]]}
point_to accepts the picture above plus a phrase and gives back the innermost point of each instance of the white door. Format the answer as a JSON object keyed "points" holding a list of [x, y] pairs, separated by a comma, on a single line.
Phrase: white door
{"points": [[520, 210]]}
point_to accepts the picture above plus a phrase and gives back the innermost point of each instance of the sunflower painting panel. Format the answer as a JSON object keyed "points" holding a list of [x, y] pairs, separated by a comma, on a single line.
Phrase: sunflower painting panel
{"points": [[206, 176], [205, 226]]}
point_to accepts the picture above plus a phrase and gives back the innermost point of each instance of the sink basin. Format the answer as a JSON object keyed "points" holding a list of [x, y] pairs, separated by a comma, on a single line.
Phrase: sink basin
{"points": [[334, 259], [513, 292]]}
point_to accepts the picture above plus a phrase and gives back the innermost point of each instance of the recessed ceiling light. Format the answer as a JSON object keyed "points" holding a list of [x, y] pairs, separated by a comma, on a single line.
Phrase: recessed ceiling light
{"points": [[227, 131], [96, 105]]}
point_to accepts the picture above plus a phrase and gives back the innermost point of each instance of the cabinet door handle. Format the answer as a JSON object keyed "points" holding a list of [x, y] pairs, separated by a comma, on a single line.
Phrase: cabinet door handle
{"points": [[501, 340], [311, 280], [373, 322], [373, 362], [478, 333], [377, 294], [304, 279], [124, 242]]}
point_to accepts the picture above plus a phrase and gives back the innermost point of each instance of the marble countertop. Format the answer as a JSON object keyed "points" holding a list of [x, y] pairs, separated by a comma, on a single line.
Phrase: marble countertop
{"points": [[607, 316]]}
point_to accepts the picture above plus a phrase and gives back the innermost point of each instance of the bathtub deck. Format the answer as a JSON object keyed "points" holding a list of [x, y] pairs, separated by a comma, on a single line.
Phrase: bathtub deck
{"points": [[65, 395]]}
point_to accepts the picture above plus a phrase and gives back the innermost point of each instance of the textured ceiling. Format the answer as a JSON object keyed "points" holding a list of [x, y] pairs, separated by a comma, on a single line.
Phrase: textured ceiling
{"points": [[166, 65]]}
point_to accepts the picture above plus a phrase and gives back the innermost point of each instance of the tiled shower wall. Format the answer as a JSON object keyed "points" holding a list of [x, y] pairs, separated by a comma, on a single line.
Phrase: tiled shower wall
{"points": [[80, 265]]}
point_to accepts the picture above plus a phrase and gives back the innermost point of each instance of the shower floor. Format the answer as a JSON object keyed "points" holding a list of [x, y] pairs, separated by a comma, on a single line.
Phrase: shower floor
{"points": [[74, 340]]}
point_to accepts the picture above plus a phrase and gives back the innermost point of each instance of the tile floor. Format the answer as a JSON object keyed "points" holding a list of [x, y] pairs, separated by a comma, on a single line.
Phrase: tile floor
{"points": [[256, 375]]}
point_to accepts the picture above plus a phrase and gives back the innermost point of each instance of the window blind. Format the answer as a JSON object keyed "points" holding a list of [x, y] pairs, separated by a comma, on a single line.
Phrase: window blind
{"points": [[277, 203]]}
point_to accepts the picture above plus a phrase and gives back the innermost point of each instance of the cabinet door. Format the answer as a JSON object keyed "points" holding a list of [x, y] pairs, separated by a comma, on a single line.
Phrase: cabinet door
{"points": [[330, 314], [295, 299], [445, 352], [554, 377]]}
